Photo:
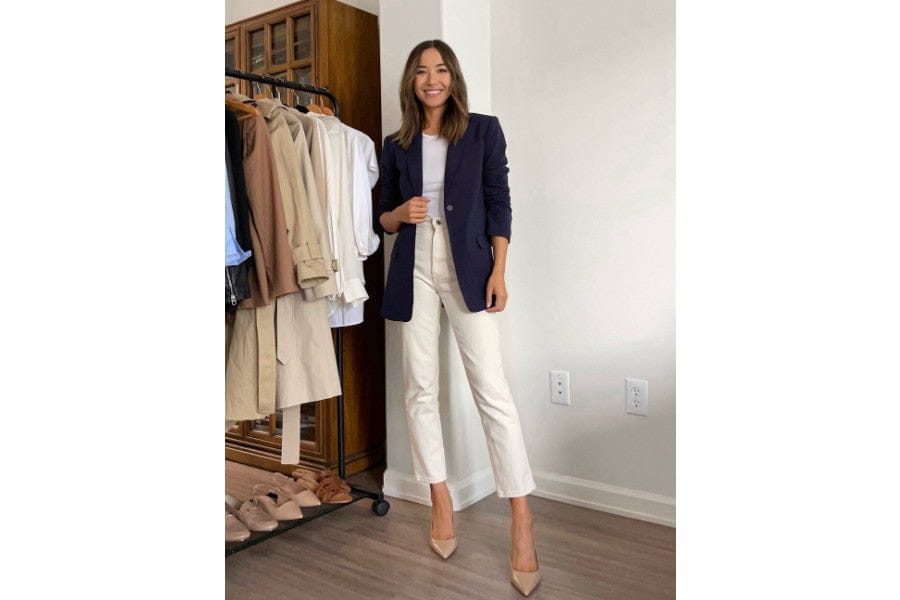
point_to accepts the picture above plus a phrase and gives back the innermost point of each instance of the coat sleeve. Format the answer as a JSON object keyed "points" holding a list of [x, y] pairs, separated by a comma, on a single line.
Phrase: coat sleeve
{"points": [[390, 184], [495, 182]]}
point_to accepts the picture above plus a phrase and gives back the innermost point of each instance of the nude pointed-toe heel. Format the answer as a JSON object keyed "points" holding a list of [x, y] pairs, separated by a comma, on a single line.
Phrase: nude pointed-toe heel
{"points": [[524, 581], [444, 548]]}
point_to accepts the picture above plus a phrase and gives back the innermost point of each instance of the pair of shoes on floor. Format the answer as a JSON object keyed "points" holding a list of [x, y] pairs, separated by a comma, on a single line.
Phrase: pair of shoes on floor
{"points": [[328, 487], [523, 581], [283, 498], [241, 518]]}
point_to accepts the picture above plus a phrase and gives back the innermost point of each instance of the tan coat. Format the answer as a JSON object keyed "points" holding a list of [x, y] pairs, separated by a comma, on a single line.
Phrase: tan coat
{"points": [[305, 251], [317, 205], [272, 260]]}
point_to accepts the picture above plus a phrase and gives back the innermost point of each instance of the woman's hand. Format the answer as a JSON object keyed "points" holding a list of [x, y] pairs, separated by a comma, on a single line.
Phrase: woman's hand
{"points": [[413, 210], [496, 286]]}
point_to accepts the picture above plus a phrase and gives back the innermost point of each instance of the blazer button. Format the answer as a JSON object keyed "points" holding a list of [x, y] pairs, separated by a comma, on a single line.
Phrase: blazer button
{"points": [[449, 207]]}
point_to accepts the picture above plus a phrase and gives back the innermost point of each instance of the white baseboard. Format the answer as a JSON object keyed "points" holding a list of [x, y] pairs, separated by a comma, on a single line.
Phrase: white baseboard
{"points": [[636, 504], [465, 492]]}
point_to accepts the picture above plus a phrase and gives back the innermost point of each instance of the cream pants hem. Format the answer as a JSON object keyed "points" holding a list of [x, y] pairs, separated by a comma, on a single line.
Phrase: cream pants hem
{"points": [[434, 282]]}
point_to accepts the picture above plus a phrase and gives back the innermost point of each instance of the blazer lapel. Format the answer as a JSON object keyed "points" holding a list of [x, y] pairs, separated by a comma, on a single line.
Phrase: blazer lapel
{"points": [[414, 164], [454, 155]]}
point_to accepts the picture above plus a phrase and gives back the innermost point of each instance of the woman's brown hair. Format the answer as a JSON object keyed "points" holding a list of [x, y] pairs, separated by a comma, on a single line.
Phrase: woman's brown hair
{"points": [[456, 114]]}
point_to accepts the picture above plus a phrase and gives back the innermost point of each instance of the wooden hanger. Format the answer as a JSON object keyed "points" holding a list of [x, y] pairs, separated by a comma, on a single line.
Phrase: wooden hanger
{"points": [[327, 111], [244, 110], [315, 108], [262, 94]]}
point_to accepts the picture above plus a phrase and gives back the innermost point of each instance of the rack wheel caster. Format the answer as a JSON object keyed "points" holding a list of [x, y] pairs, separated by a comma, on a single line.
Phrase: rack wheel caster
{"points": [[380, 507]]}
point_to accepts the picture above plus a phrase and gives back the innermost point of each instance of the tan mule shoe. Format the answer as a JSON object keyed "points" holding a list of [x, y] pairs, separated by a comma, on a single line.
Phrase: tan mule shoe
{"points": [[276, 502], [297, 490], [235, 531], [253, 516], [524, 581]]}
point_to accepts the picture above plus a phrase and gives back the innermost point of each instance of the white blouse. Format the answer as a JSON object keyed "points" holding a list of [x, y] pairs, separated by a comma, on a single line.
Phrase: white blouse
{"points": [[434, 159]]}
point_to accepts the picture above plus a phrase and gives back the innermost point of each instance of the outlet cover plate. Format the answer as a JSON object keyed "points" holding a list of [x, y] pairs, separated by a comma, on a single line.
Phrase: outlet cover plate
{"points": [[637, 396], [559, 388]]}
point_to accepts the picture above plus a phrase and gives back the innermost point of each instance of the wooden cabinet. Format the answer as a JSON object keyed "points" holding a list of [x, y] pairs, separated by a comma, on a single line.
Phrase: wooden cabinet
{"points": [[328, 44]]}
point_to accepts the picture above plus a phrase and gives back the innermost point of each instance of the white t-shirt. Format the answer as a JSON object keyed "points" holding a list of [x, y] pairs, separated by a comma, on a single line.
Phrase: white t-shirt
{"points": [[434, 160]]}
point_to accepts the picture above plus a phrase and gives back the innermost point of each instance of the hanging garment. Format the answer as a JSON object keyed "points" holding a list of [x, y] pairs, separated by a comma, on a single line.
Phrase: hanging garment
{"points": [[317, 208], [306, 370], [237, 267], [364, 176], [316, 203], [364, 242], [274, 269], [305, 252], [345, 144], [234, 254], [356, 218], [250, 365], [327, 185], [234, 155]]}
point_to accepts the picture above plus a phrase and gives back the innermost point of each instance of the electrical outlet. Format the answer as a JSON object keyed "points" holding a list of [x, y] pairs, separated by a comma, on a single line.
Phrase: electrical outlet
{"points": [[559, 388], [637, 396]]}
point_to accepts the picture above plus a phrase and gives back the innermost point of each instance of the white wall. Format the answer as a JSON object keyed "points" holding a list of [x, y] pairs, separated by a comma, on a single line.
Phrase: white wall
{"points": [[585, 93], [586, 96]]}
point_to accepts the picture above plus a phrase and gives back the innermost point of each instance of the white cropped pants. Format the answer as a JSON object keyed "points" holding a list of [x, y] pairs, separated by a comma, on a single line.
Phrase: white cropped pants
{"points": [[434, 281]]}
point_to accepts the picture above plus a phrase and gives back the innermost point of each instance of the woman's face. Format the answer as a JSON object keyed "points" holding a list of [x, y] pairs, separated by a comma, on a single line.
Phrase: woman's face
{"points": [[432, 79]]}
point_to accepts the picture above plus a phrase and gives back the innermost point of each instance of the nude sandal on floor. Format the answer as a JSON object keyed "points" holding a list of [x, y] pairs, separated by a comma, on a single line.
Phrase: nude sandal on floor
{"points": [[298, 490], [313, 479], [276, 502], [307, 477], [326, 474], [331, 493]]}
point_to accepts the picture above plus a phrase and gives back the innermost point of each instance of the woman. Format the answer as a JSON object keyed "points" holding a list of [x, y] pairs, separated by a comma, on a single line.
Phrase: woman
{"points": [[444, 191]]}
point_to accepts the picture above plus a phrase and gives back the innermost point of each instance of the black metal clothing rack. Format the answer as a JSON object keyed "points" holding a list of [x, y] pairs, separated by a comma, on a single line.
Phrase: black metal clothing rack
{"points": [[380, 506]]}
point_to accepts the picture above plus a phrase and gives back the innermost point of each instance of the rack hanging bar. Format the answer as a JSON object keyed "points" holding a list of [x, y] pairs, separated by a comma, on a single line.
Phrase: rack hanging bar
{"points": [[293, 85]]}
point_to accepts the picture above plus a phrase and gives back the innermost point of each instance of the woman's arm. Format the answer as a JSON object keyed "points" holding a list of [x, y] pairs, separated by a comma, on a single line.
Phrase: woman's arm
{"points": [[390, 190], [496, 285], [496, 183], [499, 213]]}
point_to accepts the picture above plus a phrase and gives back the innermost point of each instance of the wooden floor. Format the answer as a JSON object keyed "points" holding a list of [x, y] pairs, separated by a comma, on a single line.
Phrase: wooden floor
{"points": [[352, 554]]}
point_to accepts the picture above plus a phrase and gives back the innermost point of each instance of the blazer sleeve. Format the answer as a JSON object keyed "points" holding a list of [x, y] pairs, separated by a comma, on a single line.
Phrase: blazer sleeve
{"points": [[496, 183], [390, 184]]}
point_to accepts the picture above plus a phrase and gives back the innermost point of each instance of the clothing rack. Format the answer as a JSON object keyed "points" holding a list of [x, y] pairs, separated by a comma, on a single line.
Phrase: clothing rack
{"points": [[293, 85], [380, 506]]}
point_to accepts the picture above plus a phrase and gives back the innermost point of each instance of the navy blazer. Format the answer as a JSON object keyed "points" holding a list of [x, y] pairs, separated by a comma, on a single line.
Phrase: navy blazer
{"points": [[476, 205]]}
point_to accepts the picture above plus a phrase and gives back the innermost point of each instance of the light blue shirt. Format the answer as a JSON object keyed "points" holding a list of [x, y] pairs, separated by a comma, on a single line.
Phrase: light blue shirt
{"points": [[234, 255]]}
